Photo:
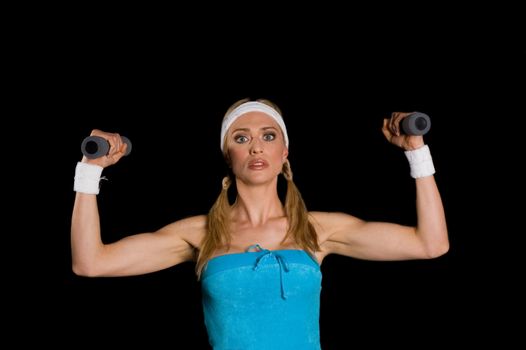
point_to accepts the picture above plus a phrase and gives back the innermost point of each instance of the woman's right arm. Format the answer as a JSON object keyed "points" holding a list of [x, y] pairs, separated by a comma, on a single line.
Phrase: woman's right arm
{"points": [[132, 255]]}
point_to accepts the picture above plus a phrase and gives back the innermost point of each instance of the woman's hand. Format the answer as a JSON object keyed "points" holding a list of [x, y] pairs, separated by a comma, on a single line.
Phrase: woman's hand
{"points": [[116, 152], [391, 130]]}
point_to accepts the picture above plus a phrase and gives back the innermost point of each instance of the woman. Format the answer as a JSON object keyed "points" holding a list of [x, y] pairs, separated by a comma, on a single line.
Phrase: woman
{"points": [[258, 258]]}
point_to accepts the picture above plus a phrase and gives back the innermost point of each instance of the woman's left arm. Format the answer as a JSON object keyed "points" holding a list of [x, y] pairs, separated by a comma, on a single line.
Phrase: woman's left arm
{"points": [[344, 234], [347, 235]]}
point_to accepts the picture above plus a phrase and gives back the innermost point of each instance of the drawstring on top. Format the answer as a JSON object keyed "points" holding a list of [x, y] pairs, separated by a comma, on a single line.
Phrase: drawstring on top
{"points": [[280, 259]]}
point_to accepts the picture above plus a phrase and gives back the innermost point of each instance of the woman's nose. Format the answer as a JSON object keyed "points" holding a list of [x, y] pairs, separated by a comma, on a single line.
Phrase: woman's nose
{"points": [[256, 147]]}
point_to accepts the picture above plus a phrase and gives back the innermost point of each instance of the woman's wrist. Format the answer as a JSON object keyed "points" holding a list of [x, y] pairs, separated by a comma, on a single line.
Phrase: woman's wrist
{"points": [[413, 144], [420, 162], [87, 178]]}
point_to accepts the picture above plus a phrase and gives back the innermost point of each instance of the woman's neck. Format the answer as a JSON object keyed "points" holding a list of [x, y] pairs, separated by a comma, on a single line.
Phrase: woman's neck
{"points": [[255, 205]]}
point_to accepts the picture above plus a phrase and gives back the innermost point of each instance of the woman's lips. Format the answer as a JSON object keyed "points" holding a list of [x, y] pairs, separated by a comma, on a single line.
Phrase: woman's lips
{"points": [[257, 164]]}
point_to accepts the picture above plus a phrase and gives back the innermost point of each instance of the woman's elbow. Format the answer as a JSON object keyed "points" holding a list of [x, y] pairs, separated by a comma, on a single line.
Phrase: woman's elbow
{"points": [[438, 248], [85, 270]]}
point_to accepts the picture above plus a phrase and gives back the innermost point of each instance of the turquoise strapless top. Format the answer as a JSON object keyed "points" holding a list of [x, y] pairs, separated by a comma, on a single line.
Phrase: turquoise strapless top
{"points": [[262, 299]]}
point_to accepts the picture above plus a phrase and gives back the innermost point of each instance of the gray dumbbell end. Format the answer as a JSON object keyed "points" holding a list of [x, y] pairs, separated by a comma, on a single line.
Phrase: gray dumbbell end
{"points": [[416, 123]]}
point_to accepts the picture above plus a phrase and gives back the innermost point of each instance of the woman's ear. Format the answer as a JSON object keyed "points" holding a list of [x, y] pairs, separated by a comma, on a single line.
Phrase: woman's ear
{"points": [[285, 154], [227, 159]]}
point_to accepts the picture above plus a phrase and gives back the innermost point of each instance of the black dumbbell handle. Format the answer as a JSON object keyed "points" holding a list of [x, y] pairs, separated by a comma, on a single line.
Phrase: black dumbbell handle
{"points": [[95, 146]]}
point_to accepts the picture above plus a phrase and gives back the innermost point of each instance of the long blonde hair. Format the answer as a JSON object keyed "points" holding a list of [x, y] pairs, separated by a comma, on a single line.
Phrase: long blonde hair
{"points": [[300, 229]]}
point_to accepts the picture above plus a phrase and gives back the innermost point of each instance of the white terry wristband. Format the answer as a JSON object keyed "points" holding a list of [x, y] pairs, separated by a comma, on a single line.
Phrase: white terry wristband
{"points": [[420, 162], [87, 178]]}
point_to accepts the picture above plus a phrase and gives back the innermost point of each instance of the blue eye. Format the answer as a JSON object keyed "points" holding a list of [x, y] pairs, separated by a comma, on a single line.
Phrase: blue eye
{"points": [[241, 139], [269, 137]]}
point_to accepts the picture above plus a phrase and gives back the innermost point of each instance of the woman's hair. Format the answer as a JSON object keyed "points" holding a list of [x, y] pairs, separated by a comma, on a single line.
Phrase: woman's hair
{"points": [[218, 222]]}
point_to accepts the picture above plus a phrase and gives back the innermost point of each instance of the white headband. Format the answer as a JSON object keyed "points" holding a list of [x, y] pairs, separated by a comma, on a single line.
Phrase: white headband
{"points": [[252, 106]]}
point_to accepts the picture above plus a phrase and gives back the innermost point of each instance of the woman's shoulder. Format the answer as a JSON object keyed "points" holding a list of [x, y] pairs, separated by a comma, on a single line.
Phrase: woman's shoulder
{"points": [[329, 217], [324, 221], [192, 229], [189, 223], [196, 221]]}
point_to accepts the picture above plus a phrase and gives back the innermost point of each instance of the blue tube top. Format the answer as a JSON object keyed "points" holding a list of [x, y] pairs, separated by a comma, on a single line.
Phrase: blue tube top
{"points": [[262, 300]]}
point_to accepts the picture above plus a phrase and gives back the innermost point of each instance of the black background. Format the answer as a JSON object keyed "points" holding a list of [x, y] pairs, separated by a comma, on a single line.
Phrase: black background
{"points": [[166, 86]]}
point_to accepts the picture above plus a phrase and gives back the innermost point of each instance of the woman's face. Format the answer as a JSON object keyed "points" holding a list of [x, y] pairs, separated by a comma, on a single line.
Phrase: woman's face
{"points": [[256, 148]]}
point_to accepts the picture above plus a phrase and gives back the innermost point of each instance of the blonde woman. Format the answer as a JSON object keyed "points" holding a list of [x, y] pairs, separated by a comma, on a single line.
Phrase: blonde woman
{"points": [[258, 259]]}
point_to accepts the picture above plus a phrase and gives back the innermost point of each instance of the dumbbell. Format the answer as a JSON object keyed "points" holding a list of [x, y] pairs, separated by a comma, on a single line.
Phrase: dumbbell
{"points": [[416, 123], [95, 146]]}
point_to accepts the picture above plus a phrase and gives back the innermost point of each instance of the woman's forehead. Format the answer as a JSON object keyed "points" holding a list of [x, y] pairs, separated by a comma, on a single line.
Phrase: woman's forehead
{"points": [[254, 119]]}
